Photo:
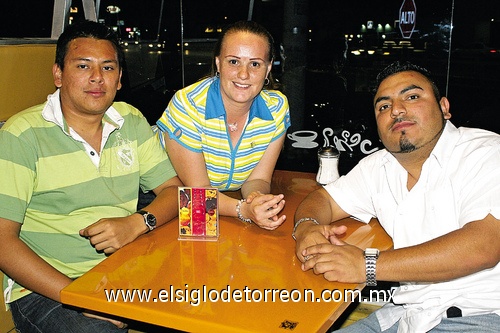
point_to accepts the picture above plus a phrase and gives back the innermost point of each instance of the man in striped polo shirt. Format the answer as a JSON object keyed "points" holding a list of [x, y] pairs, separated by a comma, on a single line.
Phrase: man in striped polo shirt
{"points": [[71, 169]]}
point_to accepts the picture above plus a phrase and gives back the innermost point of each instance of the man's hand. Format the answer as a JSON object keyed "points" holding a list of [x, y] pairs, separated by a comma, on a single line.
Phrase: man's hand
{"points": [[110, 234], [309, 234], [115, 322], [337, 261]]}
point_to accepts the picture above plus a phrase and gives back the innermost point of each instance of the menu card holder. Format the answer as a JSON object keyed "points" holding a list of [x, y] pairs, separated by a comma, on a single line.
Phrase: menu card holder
{"points": [[198, 214]]}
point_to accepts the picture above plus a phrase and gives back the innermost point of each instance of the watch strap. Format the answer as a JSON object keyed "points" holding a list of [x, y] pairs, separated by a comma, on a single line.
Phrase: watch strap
{"points": [[371, 256]]}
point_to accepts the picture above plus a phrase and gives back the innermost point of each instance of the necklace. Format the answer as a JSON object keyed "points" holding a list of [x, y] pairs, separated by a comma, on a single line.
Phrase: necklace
{"points": [[232, 127]]}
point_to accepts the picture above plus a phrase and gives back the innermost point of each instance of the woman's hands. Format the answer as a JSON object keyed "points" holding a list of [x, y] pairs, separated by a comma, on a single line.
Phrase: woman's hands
{"points": [[263, 209]]}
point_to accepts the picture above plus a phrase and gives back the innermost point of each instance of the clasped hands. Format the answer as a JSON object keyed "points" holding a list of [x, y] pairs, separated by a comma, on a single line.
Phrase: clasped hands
{"points": [[319, 248], [263, 209]]}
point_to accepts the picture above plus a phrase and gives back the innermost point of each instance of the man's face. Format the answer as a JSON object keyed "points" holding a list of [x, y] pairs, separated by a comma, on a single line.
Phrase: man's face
{"points": [[407, 113], [90, 78]]}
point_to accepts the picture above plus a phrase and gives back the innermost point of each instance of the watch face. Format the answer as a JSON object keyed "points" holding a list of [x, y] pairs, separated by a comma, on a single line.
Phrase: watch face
{"points": [[151, 220]]}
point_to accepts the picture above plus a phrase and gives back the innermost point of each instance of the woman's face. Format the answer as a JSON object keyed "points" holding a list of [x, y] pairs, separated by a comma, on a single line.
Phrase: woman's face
{"points": [[243, 64]]}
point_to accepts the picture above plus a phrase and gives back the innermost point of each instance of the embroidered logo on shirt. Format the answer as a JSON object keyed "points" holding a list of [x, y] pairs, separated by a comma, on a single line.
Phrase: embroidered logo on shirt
{"points": [[125, 153]]}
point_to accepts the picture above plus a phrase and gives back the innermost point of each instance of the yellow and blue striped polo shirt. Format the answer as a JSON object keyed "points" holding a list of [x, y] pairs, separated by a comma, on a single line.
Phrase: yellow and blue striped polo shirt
{"points": [[195, 118]]}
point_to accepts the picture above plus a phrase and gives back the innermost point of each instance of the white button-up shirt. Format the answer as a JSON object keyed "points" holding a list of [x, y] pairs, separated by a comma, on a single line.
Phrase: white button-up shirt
{"points": [[459, 183]]}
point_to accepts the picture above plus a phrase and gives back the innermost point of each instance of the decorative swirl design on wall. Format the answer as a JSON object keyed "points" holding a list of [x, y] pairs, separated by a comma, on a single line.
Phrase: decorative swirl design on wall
{"points": [[346, 142]]}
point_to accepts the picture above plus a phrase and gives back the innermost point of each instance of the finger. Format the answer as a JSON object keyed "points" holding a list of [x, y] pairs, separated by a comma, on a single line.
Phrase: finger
{"points": [[318, 249], [92, 230], [115, 322], [338, 229], [335, 241], [308, 264], [107, 246], [269, 224], [270, 199], [84, 232], [274, 209], [308, 257]]}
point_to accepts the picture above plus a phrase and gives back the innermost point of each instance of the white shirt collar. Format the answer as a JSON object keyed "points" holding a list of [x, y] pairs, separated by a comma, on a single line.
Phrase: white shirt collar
{"points": [[52, 112]]}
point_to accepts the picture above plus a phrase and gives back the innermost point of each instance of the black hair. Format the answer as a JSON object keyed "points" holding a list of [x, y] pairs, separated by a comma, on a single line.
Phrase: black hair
{"points": [[398, 67], [86, 29]]}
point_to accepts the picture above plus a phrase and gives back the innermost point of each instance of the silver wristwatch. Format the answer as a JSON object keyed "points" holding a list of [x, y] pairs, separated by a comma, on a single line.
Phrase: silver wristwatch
{"points": [[149, 219], [371, 256]]}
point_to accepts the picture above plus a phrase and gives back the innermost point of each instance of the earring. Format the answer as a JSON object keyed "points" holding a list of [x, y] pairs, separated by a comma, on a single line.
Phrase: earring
{"points": [[267, 81], [217, 74]]}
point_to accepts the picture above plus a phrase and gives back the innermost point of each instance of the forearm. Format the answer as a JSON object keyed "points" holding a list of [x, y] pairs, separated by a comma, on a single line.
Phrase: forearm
{"points": [[460, 253], [165, 206], [227, 205], [255, 185], [316, 205], [20, 263]]}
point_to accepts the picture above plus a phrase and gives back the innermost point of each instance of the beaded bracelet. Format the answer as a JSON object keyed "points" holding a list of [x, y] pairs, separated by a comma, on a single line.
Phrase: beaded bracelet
{"points": [[238, 211]]}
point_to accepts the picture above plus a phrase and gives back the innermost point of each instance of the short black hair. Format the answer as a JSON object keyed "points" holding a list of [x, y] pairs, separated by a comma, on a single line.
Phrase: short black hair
{"points": [[405, 66], [87, 29]]}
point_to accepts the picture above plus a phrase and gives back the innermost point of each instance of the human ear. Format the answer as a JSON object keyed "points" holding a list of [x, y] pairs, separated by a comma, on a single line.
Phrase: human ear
{"points": [[57, 75], [269, 67], [119, 81], [445, 107], [217, 64]]}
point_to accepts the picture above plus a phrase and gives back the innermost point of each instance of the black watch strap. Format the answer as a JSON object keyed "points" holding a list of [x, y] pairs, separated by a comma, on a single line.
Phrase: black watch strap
{"points": [[149, 219]]}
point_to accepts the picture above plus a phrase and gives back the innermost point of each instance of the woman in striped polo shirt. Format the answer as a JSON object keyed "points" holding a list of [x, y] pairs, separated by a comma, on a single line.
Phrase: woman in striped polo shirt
{"points": [[226, 131]]}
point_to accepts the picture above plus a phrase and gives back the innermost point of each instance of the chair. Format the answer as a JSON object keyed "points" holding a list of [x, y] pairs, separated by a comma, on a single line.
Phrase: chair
{"points": [[6, 323]]}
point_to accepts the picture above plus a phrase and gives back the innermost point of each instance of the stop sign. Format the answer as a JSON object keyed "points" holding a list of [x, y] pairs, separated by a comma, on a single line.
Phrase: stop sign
{"points": [[407, 18]]}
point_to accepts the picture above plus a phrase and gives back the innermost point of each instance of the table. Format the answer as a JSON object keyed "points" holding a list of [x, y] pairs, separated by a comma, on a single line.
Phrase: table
{"points": [[244, 256]]}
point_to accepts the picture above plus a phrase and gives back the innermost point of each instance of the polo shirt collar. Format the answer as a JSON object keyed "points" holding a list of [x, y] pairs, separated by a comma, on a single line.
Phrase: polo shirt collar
{"points": [[213, 108], [52, 112]]}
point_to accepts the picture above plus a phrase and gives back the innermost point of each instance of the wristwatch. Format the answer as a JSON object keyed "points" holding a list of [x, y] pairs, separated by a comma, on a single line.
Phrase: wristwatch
{"points": [[371, 256], [149, 219]]}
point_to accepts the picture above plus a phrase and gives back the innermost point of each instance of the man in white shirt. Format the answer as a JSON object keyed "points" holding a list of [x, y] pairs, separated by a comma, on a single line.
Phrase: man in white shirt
{"points": [[435, 190]]}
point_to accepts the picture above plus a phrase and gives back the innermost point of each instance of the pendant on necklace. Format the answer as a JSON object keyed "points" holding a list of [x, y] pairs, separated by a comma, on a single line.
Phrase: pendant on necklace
{"points": [[232, 127]]}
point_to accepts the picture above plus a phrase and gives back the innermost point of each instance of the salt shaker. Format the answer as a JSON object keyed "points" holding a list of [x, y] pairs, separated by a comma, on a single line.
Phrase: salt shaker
{"points": [[328, 158]]}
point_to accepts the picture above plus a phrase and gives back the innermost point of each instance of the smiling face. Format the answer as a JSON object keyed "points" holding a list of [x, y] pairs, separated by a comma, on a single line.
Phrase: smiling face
{"points": [[90, 78], [408, 116], [243, 64]]}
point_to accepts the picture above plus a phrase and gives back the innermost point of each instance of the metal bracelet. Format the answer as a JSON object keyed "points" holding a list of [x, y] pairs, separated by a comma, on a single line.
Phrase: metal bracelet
{"points": [[304, 219], [238, 211], [371, 272]]}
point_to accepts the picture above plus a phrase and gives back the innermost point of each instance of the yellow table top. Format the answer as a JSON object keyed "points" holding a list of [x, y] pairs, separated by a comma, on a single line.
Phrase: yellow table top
{"points": [[246, 261]]}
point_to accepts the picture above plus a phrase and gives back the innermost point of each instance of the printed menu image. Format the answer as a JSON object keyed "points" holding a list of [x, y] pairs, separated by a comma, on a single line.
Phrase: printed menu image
{"points": [[198, 213]]}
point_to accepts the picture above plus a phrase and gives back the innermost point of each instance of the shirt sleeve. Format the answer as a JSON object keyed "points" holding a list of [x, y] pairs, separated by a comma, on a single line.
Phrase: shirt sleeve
{"points": [[18, 164], [354, 192], [155, 166], [480, 185], [281, 112], [181, 122]]}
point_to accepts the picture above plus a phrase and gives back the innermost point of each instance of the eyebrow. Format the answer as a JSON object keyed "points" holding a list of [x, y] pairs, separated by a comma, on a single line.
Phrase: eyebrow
{"points": [[252, 59], [90, 60], [404, 90]]}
